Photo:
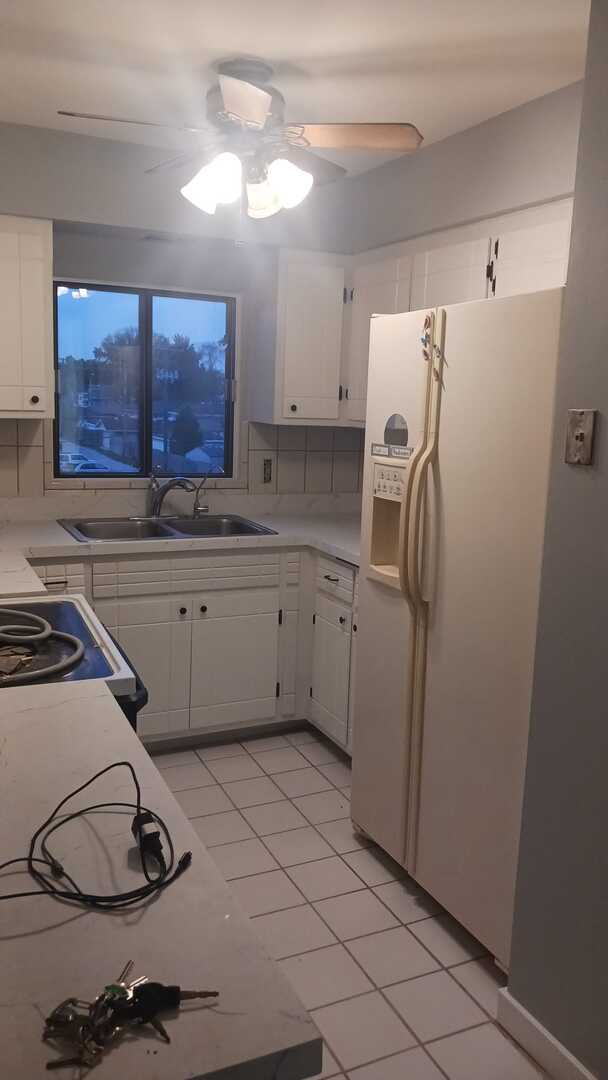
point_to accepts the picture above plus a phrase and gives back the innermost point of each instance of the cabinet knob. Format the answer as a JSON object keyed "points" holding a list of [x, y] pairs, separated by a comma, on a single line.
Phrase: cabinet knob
{"points": [[354, 628], [342, 620], [203, 608], [183, 610], [294, 408], [35, 398]]}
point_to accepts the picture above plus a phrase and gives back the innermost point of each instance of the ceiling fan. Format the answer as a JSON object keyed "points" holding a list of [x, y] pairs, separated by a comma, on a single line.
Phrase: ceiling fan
{"points": [[247, 139]]}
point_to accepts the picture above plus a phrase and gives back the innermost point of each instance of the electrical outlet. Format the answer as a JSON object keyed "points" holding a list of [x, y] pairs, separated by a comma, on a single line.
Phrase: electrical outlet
{"points": [[580, 430]]}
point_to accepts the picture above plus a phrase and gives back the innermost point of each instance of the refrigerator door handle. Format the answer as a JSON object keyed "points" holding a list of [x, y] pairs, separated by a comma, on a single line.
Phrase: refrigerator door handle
{"points": [[428, 458], [427, 339]]}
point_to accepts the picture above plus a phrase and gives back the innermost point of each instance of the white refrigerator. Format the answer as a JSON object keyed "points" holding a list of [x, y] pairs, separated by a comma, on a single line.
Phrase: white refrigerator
{"points": [[458, 437]]}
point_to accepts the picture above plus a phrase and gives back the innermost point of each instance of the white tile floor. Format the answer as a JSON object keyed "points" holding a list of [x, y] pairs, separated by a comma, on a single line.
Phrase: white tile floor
{"points": [[398, 990]]}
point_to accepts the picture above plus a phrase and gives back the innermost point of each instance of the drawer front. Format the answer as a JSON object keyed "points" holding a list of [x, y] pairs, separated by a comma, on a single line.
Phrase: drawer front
{"points": [[336, 579], [337, 615], [223, 603]]}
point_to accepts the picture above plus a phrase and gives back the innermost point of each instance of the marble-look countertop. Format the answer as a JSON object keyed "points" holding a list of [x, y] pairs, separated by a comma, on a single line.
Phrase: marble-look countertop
{"points": [[333, 534], [17, 578], [194, 933]]}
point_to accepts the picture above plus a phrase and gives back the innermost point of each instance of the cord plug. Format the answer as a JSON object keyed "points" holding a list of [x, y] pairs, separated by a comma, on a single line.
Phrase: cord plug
{"points": [[147, 835]]}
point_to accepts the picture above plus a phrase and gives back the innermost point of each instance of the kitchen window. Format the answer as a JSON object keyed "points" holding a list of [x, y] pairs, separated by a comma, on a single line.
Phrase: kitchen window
{"points": [[144, 382]]}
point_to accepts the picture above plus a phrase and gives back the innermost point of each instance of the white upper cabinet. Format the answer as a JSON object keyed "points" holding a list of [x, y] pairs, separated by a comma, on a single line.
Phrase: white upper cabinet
{"points": [[379, 288], [450, 274], [309, 329], [26, 319], [526, 260]]}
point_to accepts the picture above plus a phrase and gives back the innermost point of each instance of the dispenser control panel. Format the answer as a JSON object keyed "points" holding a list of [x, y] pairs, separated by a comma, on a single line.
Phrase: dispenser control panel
{"points": [[389, 482]]}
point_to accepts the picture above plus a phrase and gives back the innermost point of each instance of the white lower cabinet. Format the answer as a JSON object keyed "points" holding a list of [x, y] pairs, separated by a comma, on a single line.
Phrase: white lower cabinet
{"points": [[235, 658], [333, 651]]}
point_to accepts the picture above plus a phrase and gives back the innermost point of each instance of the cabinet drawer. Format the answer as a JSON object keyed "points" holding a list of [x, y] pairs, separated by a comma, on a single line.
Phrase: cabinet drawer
{"points": [[335, 578], [337, 615]]}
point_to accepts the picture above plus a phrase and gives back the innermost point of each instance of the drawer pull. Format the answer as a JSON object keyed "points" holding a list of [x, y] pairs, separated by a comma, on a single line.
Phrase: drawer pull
{"points": [[183, 610], [342, 620], [203, 608], [330, 577]]}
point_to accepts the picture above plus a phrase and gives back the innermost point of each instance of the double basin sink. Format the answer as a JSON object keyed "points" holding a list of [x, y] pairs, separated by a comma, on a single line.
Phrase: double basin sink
{"points": [[169, 528]]}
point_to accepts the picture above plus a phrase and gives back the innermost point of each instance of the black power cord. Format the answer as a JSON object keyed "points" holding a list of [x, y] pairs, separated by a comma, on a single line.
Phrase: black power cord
{"points": [[147, 828]]}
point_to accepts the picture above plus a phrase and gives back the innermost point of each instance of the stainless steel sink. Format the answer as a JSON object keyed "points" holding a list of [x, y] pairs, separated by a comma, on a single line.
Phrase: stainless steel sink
{"points": [[117, 529], [217, 525], [174, 528]]}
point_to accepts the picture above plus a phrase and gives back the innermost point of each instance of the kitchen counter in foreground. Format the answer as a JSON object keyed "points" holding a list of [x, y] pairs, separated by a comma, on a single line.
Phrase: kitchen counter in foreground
{"points": [[332, 534], [193, 934]]}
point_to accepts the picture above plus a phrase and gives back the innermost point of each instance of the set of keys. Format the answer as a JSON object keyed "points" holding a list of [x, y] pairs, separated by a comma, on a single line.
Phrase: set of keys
{"points": [[92, 1027]]}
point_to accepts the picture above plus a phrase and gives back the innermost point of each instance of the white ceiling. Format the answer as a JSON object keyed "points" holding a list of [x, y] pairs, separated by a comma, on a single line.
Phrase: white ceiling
{"points": [[443, 64]]}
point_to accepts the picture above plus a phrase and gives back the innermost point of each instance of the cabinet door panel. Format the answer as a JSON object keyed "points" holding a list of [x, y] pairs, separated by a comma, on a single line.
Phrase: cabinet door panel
{"points": [[533, 258], [375, 293], [312, 336], [161, 655], [450, 274], [234, 660], [10, 319], [330, 669], [35, 323]]}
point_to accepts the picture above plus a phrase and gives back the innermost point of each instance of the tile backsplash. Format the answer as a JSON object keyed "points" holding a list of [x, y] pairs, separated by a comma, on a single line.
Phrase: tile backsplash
{"points": [[304, 460], [282, 469]]}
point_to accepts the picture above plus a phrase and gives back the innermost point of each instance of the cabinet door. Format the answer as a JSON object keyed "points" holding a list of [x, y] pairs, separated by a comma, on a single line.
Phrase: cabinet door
{"points": [[374, 293], [450, 274], [530, 259], [331, 668], [26, 356], [234, 669], [312, 313], [161, 654]]}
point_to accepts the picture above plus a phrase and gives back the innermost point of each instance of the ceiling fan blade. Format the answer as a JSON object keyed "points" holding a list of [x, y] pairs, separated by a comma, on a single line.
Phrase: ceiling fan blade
{"points": [[128, 120], [397, 137], [323, 171], [245, 102], [201, 155]]}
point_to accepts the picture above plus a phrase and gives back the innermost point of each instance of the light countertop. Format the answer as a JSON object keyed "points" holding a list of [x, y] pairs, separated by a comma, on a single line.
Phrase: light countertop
{"points": [[333, 534], [194, 934]]}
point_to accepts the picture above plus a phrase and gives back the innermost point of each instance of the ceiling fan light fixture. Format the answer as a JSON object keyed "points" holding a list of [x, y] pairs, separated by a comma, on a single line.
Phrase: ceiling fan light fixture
{"points": [[219, 182], [290, 183]]}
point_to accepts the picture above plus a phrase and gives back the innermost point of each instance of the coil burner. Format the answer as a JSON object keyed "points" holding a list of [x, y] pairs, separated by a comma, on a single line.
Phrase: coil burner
{"points": [[31, 649]]}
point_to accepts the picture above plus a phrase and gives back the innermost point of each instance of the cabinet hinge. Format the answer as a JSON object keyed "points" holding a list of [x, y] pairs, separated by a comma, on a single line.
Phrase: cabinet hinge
{"points": [[340, 393], [490, 270], [278, 693], [310, 693], [352, 295], [280, 616], [345, 295], [314, 619], [496, 248]]}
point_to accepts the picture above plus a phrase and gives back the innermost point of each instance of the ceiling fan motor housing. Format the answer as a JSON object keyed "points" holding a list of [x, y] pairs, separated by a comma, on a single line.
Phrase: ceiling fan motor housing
{"points": [[217, 116]]}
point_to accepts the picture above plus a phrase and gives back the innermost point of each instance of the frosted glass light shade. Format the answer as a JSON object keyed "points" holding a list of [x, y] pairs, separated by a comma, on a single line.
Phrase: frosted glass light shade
{"points": [[262, 200], [291, 183], [218, 182]]}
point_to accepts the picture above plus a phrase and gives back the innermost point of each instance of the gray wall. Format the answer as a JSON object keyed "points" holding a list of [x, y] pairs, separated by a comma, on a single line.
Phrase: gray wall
{"points": [[559, 966], [523, 157]]}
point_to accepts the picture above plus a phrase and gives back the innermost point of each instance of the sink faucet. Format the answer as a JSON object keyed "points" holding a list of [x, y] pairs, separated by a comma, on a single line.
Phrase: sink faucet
{"points": [[200, 508], [157, 492]]}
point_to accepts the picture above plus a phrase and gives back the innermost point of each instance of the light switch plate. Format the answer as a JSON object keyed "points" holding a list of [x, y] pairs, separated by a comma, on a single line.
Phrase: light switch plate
{"points": [[579, 436]]}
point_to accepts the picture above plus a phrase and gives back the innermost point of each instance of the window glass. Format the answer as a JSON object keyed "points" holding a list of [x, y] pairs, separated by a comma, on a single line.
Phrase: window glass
{"points": [[189, 371], [144, 382], [100, 381]]}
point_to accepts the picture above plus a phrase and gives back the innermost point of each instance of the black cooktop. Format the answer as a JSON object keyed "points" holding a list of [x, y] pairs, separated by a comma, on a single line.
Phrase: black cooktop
{"points": [[64, 616]]}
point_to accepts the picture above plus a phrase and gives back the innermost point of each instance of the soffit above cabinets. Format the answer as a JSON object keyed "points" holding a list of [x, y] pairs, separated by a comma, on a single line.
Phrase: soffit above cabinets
{"points": [[445, 66]]}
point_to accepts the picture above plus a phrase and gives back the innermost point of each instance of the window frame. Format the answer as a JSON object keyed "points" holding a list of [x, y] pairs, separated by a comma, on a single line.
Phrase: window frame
{"points": [[146, 296]]}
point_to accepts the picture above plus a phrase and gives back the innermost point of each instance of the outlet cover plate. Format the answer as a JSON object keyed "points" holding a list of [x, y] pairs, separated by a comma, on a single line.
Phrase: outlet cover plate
{"points": [[579, 436]]}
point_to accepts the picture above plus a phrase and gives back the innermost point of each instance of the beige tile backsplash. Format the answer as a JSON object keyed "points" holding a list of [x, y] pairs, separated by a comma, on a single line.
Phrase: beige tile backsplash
{"points": [[277, 460], [306, 460]]}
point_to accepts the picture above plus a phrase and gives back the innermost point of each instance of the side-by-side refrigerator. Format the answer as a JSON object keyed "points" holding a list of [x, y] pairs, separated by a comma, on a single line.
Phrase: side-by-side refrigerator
{"points": [[458, 439]]}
